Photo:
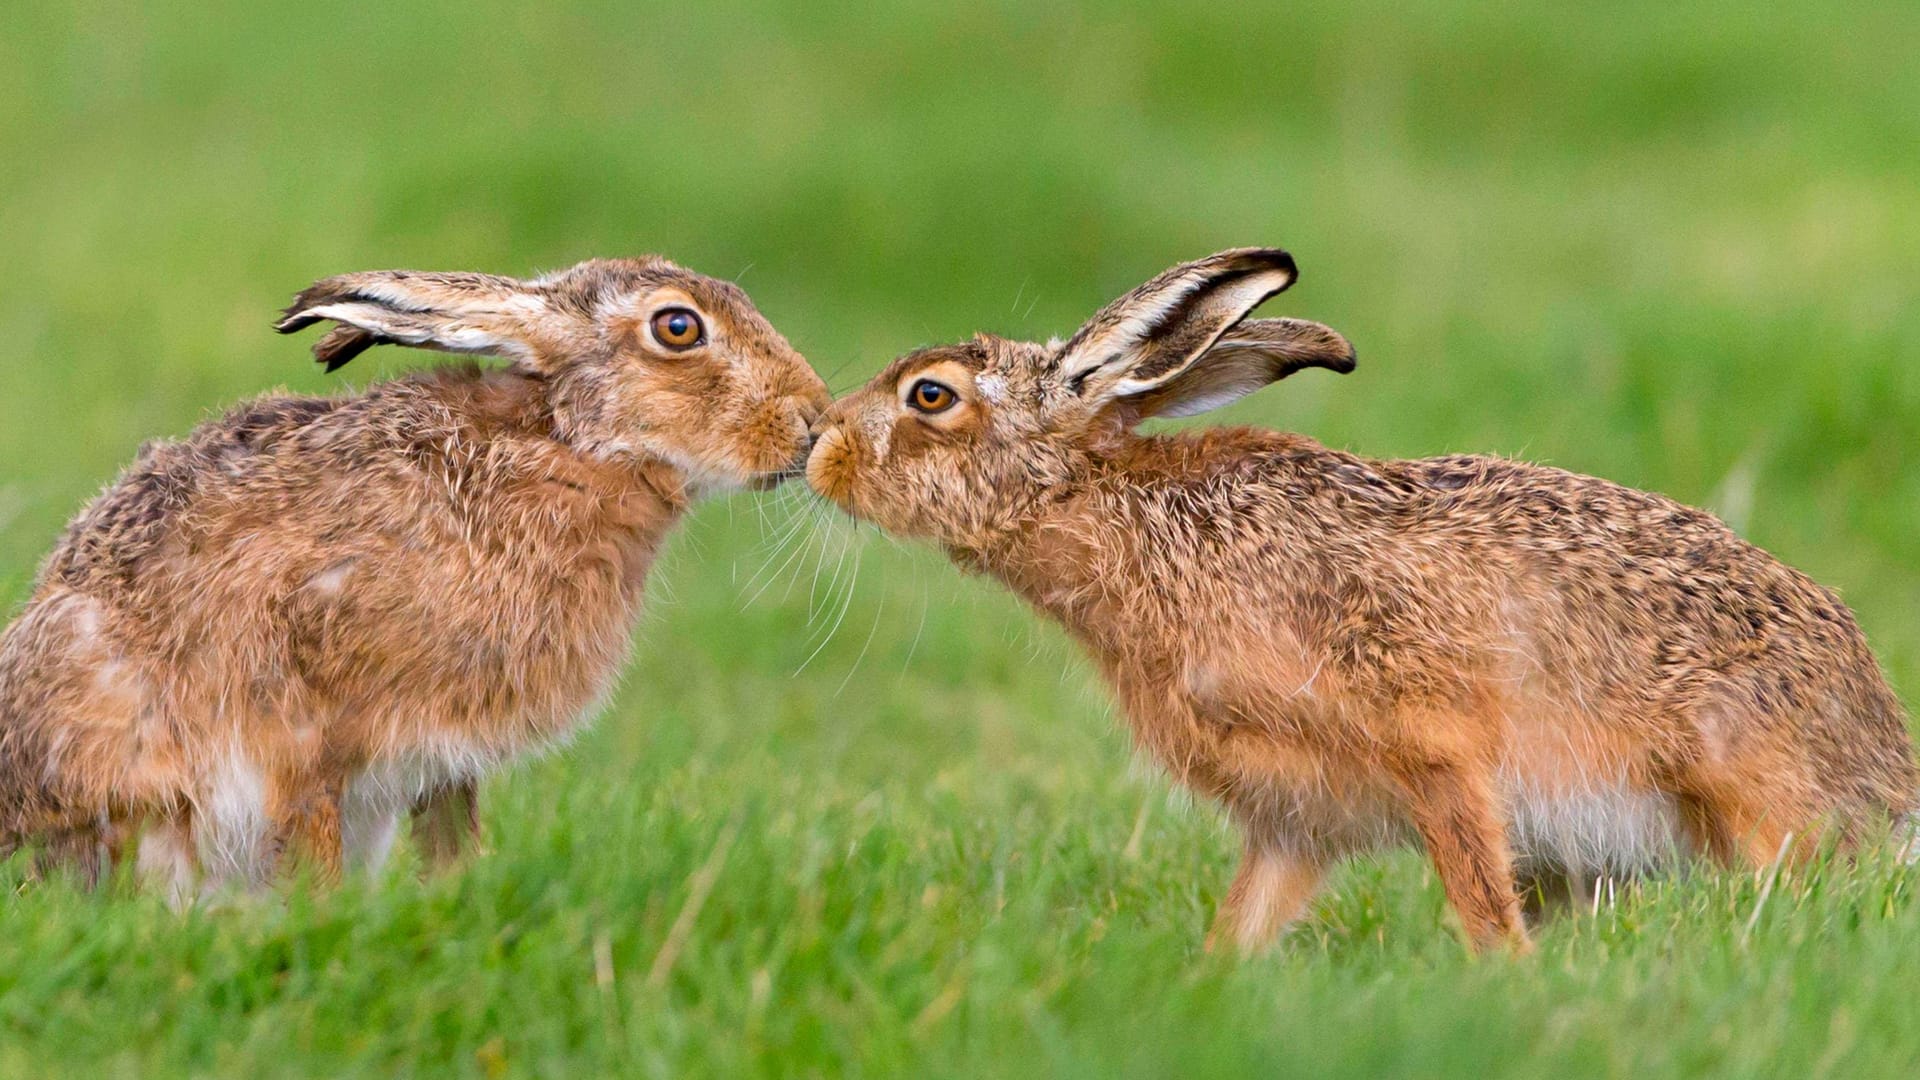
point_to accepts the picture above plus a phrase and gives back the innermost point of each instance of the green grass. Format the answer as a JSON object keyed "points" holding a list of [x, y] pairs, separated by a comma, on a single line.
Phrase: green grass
{"points": [[1672, 244]]}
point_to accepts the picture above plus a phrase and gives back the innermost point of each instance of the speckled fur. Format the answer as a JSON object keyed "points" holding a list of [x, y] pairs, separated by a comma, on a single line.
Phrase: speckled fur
{"points": [[281, 631], [1532, 672]]}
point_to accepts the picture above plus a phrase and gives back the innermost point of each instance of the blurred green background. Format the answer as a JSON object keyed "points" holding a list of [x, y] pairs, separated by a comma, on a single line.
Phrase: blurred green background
{"points": [[1669, 243]]}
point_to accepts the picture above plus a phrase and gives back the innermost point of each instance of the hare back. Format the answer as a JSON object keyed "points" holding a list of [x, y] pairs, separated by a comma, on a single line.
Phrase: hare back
{"points": [[1311, 592]]}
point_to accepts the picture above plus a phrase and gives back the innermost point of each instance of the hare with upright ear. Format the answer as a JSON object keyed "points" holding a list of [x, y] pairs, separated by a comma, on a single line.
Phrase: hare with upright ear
{"points": [[312, 613], [1530, 672]]}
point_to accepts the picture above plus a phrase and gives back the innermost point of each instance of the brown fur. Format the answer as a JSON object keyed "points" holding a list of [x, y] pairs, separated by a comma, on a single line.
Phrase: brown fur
{"points": [[1345, 651], [271, 636]]}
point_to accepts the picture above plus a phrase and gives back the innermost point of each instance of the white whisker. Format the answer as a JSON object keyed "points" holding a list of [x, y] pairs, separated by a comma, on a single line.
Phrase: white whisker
{"points": [[838, 619], [878, 610]]}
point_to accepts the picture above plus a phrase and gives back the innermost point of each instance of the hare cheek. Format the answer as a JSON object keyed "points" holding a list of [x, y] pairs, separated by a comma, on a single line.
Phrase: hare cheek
{"points": [[878, 431]]}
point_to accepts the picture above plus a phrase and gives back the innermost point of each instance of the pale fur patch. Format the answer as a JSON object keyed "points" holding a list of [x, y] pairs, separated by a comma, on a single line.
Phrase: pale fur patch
{"points": [[233, 812], [331, 581], [165, 863], [1605, 828], [876, 427], [114, 679], [1203, 681], [375, 798], [991, 388], [370, 810], [86, 622]]}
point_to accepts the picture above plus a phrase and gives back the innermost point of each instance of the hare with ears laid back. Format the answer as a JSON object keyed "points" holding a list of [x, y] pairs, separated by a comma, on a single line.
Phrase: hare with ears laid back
{"points": [[1535, 674], [313, 613]]}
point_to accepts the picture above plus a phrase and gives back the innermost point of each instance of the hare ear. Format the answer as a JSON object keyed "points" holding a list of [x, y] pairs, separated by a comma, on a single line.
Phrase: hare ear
{"points": [[1158, 330], [464, 313], [1245, 358]]}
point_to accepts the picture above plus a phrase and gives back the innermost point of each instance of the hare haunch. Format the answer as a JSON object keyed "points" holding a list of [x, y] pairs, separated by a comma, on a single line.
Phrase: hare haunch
{"points": [[1533, 673], [313, 613]]}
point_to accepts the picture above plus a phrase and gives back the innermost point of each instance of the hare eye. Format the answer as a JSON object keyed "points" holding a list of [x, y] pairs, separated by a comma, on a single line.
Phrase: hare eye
{"points": [[931, 397], [678, 328]]}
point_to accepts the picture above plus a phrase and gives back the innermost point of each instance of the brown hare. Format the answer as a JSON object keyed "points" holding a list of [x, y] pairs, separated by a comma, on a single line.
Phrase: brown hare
{"points": [[282, 631], [1532, 673]]}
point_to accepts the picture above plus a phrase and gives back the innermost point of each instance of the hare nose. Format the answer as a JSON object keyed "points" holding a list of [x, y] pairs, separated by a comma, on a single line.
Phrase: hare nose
{"points": [[835, 414]]}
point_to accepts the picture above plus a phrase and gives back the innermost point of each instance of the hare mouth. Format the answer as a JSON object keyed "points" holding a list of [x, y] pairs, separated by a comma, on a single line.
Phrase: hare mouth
{"points": [[769, 481]]}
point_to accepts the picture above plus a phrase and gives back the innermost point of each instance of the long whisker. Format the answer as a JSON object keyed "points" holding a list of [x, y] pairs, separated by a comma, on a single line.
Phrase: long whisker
{"points": [[786, 532], [878, 610], [797, 551], [925, 604], [817, 544], [832, 586], [845, 606], [809, 539], [796, 523]]}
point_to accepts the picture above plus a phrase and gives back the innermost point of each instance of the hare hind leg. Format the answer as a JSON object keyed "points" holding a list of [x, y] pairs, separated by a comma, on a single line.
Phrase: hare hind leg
{"points": [[166, 860], [80, 850], [305, 826], [1744, 807], [1269, 892]]}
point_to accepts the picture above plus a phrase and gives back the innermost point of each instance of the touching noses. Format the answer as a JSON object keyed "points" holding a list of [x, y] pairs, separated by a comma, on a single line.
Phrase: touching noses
{"points": [[806, 402], [832, 417]]}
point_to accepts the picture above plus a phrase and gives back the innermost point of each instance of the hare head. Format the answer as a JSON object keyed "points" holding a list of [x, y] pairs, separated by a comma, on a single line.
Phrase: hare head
{"points": [[642, 358], [955, 442]]}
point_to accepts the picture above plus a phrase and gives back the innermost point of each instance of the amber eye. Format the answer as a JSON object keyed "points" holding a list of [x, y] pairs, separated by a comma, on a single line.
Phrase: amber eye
{"points": [[931, 397], [678, 328]]}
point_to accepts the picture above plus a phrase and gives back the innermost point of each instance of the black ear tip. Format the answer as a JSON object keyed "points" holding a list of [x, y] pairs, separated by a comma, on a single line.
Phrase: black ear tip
{"points": [[341, 345], [1344, 358], [1269, 259], [290, 322]]}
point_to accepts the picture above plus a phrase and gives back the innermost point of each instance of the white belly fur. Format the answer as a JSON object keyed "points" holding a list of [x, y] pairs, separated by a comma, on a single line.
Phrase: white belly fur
{"points": [[375, 798], [231, 825], [1603, 829]]}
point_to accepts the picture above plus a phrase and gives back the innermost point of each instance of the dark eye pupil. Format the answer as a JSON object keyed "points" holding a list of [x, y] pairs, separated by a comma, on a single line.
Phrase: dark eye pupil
{"points": [[678, 329]]}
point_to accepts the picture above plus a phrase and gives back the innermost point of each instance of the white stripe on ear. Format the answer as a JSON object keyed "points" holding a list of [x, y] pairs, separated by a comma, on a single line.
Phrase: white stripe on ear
{"points": [[1247, 357], [463, 313], [383, 321], [1152, 333]]}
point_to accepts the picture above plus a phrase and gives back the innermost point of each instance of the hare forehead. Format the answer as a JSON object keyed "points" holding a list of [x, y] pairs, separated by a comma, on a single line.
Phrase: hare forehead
{"points": [[992, 388]]}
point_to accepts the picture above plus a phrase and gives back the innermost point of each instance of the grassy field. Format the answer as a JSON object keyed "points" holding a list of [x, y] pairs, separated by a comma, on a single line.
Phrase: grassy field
{"points": [[872, 818]]}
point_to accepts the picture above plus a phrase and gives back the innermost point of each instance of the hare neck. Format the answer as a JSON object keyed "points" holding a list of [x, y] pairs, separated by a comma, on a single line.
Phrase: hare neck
{"points": [[1133, 545], [603, 466], [587, 499]]}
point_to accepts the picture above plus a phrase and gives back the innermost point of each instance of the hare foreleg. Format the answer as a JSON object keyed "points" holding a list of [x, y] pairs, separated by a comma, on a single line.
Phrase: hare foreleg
{"points": [[1454, 809]]}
